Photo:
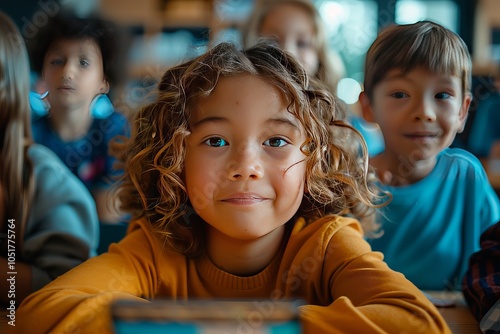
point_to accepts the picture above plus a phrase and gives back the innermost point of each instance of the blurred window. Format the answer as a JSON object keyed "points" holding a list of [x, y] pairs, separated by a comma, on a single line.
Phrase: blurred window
{"points": [[444, 12], [351, 27]]}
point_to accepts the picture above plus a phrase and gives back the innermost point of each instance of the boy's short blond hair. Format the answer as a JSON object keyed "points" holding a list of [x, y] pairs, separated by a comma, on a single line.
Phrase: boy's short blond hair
{"points": [[424, 44]]}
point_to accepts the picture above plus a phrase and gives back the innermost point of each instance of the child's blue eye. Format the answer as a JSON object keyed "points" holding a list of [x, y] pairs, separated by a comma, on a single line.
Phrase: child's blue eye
{"points": [[442, 96], [216, 142], [399, 95], [84, 63], [275, 142]]}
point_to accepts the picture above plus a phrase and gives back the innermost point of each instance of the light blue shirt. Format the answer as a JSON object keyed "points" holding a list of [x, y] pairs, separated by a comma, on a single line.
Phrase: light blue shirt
{"points": [[62, 229], [432, 227]]}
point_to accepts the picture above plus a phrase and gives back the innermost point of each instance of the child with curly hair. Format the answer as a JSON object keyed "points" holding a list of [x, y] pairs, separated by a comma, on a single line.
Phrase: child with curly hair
{"points": [[237, 185]]}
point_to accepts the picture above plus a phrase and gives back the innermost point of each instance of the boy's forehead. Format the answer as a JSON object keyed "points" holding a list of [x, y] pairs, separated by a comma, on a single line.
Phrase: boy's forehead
{"points": [[400, 74]]}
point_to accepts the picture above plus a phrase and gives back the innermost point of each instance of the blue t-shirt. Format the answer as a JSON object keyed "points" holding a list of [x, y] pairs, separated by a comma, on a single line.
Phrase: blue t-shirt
{"points": [[432, 227], [87, 157]]}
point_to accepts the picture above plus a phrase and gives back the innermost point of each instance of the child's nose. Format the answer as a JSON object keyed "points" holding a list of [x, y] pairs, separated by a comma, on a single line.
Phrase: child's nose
{"points": [[67, 72], [245, 164], [425, 111]]}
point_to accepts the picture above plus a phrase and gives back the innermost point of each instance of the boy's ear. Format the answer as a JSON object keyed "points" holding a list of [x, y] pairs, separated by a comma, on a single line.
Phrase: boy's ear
{"points": [[366, 108], [464, 112]]}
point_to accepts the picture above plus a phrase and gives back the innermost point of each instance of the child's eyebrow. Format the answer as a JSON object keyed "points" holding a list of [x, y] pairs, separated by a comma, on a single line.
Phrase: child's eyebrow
{"points": [[283, 121], [207, 120], [278, 121]]}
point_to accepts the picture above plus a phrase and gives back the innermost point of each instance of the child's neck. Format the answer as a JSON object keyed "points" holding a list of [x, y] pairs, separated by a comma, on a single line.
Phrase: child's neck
{"points": [[243, 257], [392, 171], [70, 124]]}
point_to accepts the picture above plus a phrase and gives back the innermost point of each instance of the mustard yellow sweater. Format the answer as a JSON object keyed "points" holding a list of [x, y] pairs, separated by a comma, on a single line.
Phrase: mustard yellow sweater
{"points": [[347, 287]]}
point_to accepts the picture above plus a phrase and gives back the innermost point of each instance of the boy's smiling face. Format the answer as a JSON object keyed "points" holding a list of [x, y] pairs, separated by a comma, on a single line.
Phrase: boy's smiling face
{"points": [[244, 170], [419, 113]]}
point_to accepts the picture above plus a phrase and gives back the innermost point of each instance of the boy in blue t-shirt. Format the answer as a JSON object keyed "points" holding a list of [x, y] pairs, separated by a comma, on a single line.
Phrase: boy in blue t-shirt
{"points": [[417, 88], [74, 57]]}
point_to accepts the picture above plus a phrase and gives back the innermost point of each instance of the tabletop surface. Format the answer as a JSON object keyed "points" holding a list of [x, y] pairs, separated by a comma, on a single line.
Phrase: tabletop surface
{"points": [[458, 317]]}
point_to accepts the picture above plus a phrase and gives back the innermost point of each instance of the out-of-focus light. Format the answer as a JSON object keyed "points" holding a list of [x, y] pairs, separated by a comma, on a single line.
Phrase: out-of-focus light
{"points": [[333, 14], [348, 90], [410, 12]]}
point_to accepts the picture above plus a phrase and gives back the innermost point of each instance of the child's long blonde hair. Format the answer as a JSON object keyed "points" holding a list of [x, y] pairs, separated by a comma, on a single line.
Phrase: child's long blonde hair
{"points": [[153, 186], [16, 170], [330, 70]]}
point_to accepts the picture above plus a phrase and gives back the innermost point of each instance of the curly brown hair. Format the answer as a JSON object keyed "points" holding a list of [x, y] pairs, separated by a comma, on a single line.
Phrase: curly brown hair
{"points": [[337, 175]]}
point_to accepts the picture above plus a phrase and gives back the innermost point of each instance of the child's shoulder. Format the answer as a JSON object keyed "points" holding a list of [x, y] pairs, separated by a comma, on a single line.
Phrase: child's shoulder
{"points": [[115, 124], [41, 155], [117, 117], [324, 228], [46, 162], [460, 158], [53, 176], [39, 121], [459, 163]]}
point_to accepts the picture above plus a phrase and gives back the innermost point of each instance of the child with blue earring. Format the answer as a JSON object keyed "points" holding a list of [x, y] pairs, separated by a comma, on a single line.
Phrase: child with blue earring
{"points": [[75, 57], [235, 184]]}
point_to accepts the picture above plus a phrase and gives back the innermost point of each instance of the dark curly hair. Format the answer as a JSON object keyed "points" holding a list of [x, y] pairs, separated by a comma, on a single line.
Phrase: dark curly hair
{"points": [[66, 25], [337, 173]]}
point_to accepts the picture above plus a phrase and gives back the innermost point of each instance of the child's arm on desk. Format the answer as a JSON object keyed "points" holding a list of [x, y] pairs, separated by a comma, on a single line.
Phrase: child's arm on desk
{"points": [[368, 296], [80, 299]]}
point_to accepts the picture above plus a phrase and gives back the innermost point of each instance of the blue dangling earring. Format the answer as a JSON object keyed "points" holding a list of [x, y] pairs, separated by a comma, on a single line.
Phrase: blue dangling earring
{"points": [[39, 106], [101, 106]]}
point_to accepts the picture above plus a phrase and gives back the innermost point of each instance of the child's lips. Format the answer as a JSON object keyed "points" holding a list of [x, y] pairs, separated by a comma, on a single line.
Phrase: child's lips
{"points": [[244, 199], [421, 136], [66, 88]]}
